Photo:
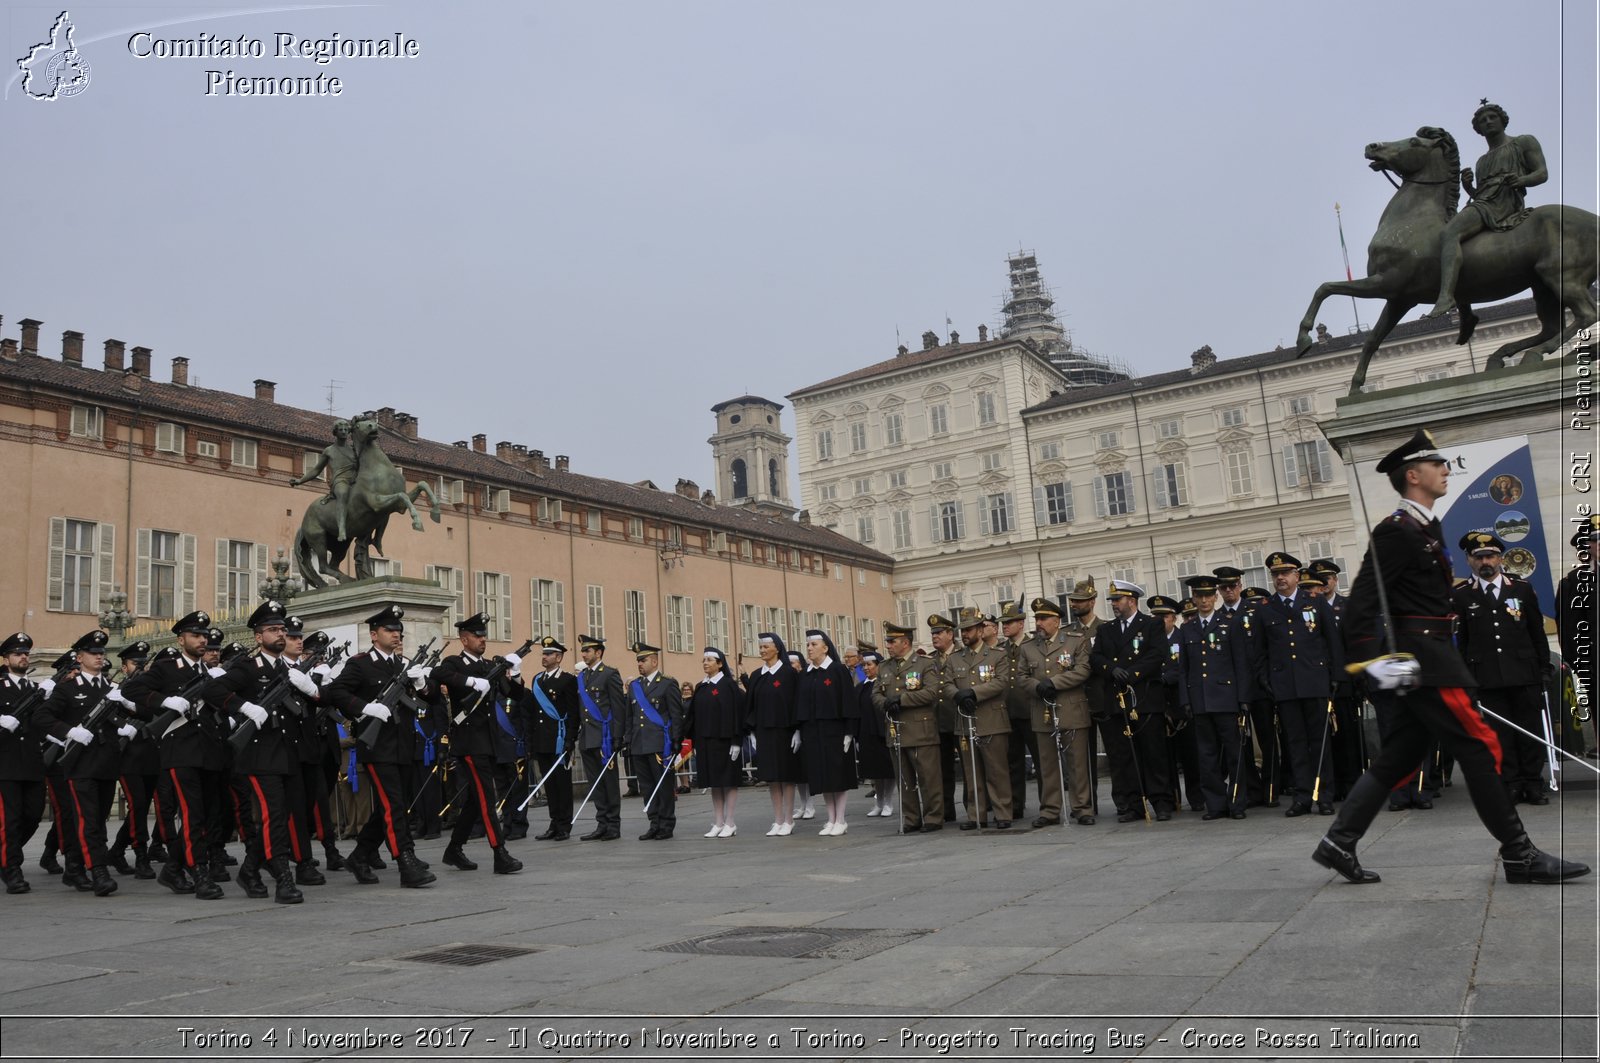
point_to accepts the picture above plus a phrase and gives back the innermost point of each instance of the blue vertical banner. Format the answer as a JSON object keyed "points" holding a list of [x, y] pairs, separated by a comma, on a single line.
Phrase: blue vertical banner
{"points": [[1492, 490]]}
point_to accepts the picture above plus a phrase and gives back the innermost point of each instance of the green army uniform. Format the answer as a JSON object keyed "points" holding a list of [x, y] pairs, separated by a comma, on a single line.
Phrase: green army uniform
{"points": [[1063, 663], [907, 692], [985, 671]]}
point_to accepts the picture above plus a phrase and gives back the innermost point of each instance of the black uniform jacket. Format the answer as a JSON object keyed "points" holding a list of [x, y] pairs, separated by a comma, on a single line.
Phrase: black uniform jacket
{"points": [[1501, 635]]}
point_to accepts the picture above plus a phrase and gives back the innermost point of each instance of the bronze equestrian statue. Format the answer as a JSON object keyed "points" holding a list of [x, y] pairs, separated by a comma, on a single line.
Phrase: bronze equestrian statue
{"points": [[1553, 250]]}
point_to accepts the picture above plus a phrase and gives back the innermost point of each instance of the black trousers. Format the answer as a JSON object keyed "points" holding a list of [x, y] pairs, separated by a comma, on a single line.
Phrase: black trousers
{"points": [[947, 773], [513, 782], [607, 797], [1522, 760], [558, 789], [140, 791], [318, 818], [1416, 721], [21, 809], [1183, 753], [1024, 743], [196, 795], [1216, 737], [479, 802], [83, 833], [1304, 722], [663, 810], [388, 820], [1348, 744], [267, 800]]}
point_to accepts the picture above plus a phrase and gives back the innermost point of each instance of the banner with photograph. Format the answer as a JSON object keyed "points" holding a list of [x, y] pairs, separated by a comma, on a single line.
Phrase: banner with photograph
{"points": [[1492, 489]]}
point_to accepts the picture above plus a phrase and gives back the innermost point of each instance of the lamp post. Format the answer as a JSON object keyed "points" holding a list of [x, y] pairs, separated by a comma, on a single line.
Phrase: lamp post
{"points": [[280, 586], [115, 618]]}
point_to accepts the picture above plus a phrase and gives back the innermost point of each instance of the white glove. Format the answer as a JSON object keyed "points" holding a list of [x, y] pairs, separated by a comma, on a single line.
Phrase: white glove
{"points": [[302, 682], [176, 704], [47, 685], [322, 671], [128, 730], [1394, 673], [513, 663], [115, 694], [478, 683], [849, 740], [418, 673], [10, 723], [216, 673], [377, 710], [794, 743], [733, 752], [254, 713], [752, 744], [81, 735]]}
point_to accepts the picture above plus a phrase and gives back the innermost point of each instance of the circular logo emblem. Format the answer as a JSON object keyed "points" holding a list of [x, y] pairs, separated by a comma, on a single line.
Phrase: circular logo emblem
{"points": [[66, 74]]}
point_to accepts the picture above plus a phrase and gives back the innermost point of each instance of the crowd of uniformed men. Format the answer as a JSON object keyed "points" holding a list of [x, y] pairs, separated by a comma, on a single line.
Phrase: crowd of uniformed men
{"points": [[1234, 698]]}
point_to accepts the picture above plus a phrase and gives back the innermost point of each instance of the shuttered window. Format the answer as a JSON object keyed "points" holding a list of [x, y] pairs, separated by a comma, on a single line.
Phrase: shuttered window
{"points": [[164, 580], [81, 565], [241, 569], [454, 580], [549, 609], [493, 599]]}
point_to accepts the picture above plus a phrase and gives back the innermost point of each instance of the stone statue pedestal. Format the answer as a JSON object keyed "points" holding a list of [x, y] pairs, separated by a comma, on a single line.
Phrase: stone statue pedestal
{"points": [[342, 609], [1541, 403]]}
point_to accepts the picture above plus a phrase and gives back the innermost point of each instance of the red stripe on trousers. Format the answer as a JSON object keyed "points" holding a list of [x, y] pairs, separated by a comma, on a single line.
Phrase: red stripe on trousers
{"points": [[5, 842], [133, 827], [83, 841], [266, 833], [1460, 706], [294, 838], [483, 805], [183, 807], [388, 812], [316, 821]]}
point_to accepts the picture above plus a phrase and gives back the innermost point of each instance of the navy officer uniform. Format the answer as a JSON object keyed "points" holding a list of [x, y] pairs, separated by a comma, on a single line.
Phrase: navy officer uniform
{"points": [[1303, 654], [1126, 698], [659, 724], [1216, 669], [556, 718], [607, 730]]}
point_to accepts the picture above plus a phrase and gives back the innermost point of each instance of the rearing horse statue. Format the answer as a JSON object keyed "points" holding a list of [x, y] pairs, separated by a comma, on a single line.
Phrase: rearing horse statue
{"points": [[378, 491], [1553, 251]]}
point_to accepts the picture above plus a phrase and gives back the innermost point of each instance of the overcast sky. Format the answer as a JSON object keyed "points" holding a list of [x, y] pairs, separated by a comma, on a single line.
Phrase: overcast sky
{"points": [[578, 225]]}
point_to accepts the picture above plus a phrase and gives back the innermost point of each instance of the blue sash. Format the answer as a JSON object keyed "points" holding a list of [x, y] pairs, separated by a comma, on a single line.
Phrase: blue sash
{"points": [[861, 674], [549, 709], [637, 689], [593, 709], [351, 775], [427, 744]]}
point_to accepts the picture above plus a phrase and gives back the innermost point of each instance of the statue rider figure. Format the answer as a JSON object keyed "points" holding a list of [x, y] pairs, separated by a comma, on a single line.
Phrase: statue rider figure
{"points": [[340, 461], [1511, 165]]}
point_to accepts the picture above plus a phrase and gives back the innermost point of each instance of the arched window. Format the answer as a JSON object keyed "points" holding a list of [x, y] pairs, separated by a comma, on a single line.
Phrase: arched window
{"points": [[772, 478], [741, 486]]}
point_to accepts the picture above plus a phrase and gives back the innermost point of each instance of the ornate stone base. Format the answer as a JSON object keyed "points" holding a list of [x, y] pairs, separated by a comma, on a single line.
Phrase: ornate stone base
{"points": [[342, 609]]}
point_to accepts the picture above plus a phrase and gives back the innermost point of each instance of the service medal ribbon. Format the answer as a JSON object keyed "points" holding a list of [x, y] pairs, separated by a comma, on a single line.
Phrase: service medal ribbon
{"points": [[985, 672], [913, 681]]}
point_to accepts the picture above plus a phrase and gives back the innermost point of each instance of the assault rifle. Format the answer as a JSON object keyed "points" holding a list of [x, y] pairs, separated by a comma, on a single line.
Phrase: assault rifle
{"points": [[499, 669], [67, 756], [393, 691], [273, 699], [23, 710]]}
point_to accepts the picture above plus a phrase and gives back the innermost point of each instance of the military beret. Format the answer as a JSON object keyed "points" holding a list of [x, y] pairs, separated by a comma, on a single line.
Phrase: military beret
{"points": [[1420, 447]]}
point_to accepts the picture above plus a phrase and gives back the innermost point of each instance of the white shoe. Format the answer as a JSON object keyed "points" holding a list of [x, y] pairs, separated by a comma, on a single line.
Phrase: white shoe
{"points": [[729, 831], [777, 829], [873, 811], [827, 829], [807, 813], [788, 829], [796, 813], [716, 829], [886, 810], [840, 827]]}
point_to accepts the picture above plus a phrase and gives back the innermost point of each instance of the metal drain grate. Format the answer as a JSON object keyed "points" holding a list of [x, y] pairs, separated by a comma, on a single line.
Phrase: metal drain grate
{"points": [[469, 955], [794, 943]]}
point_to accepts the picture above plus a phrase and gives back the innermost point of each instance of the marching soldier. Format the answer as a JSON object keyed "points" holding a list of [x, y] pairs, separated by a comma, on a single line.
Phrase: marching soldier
{"points": [[1216, 667], [1053, 666], [89, 782], [1408, 648], [266, 763], [317, 817], [660, 722], [1126, 663], [907, 691], [606, 735], [141, 766], [979, 675], [1303, 654], [22, 792], [1500, 632], [300, 722], [942, 633], [354, 692], [471, 694], [557, 719]]}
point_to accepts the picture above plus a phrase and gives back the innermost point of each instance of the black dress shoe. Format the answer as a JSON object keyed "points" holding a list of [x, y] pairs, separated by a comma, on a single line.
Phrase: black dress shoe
{"points": [[1324, 808], [357, 863], [375, 861], [454, 857], [1422, 803], [49, 864], [173, 877], [412, 874], [1527, 864], [15, 883], [334, 861], [202, 887], [505, 863], [1129, 817], [929, 828], [611, 835], [1538, 797], [306, 873], [104, 885], [967, 824], [117, 860], [1002, 824], [77, 879], [1297, 810], [1163, 815], [650, 835], [561, 836], [1274, 803], [1042, 822], [1209, 816], [663, 835], [593, 836], [1236, 815], [1085, 820], [549, 833], [1343, 861]]}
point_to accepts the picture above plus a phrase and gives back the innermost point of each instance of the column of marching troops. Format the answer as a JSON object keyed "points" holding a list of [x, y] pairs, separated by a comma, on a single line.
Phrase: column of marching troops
{"points": [[1233, 698]]}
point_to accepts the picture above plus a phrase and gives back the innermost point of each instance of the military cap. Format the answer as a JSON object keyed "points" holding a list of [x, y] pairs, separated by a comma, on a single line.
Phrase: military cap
{"points": [[1201, 584], [1279, 561], [1324, 566], [21, 642], [294, 625], [940, 622], [1420, 447], [1587, 532], [1045, 607], [1010, 610], [317, 642], [1187, 607], [969, 617], [390, 617], [1309, 578], [591, 642], [232, 650], [1479, 542], [166, 651], [63, 661], [214, 637], [550, 644], [866, 647], [1083, 590], [641, 650], [1257, 592], [267, 614], [1227, 574], [476, 624], [1121, 588], [135, 651], [1161, 605], [91, 642], [897, 631], [197, 622]]}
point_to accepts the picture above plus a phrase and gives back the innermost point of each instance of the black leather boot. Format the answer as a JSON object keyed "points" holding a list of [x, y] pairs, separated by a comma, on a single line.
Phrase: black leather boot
{"points": [[1343, 860], [287, 892], [454, 857], [174, 879], [505, 863], [117, 860], [359, 865], [306, 874], [1525, 862], [76, 877], [203, 888], [48, 862], [141, 864], [250, 878], [334, 861], [15, 883], [219, 869], [412, 874], [103, 884], [157, 853]]}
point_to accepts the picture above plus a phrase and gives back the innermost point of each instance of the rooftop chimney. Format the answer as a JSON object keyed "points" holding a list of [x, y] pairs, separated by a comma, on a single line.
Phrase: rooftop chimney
{"points": [[265, 390], [462, 443], [804, 517], [72, 347], [688, 489], [480, 443], [407, 425], [902, 350], [955, 337], [502, 450], [537, 462], [1203, 359], [562, 463], [114, 361], [8, 349], [983, 333], [30, 335], [930, 340], [180, 371], [132, 381], [519, 454], [707, 498], [386, 417], [141, 361]]}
